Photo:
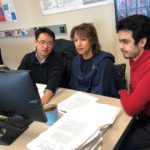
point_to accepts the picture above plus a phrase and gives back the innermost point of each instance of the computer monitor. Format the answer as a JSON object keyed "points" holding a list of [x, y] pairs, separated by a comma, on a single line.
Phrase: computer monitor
{"points": [[1, 59], [20, 104]]}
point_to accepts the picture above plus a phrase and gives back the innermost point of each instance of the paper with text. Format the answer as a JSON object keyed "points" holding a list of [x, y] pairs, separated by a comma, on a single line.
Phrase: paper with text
{"points": [[77, 128], [77, 100], [66, 134], [100, 114]]}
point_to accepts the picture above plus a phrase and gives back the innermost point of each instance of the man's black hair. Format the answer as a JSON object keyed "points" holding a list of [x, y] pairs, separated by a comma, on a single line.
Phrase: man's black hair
{"points": [[139, 25], [44, 30]]}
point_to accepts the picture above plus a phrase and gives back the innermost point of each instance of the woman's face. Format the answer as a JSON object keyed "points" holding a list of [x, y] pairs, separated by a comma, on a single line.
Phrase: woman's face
{"points": [[83, 45]]}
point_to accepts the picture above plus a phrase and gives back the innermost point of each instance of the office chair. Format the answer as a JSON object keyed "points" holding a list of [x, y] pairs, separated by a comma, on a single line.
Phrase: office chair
{"points": [[120, 68], [67, 49], [2, 65]]}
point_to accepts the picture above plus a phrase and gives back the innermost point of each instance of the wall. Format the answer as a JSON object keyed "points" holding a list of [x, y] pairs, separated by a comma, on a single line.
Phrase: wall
{"points": [[29, 15]]}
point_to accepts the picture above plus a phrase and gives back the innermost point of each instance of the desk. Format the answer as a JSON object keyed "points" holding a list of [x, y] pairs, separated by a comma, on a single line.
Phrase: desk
{"points": [[111, 136]]}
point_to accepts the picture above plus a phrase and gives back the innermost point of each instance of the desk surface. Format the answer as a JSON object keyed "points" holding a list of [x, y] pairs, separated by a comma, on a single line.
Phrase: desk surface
{"points": [[111, 136]]}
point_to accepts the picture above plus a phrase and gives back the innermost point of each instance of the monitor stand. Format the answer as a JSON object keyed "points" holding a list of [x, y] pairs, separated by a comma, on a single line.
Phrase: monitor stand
{"points": [[9, 131]]}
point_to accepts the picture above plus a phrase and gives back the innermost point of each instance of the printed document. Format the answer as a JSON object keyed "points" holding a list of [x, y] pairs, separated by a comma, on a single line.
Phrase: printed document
{"points": [[68, 133], [77, 100], [77, 128]]}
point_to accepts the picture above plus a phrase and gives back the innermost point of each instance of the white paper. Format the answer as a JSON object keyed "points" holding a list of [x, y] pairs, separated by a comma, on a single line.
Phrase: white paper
{"points": [[66, 134], [77, 100], [95, 139], [100, 114], [76, 128], [58, 6], [41, 88]]}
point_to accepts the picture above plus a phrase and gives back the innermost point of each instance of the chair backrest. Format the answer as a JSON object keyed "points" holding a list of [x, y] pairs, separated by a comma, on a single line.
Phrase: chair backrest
{"points": [[121, 68], [2, 65], [67, 49]]}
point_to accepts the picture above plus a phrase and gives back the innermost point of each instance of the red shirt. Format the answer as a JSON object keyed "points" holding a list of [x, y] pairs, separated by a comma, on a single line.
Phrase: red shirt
{"points": [[138, 99]]}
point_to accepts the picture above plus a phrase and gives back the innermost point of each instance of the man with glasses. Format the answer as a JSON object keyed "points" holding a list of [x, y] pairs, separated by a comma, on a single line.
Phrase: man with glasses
{"points": [[46, 66]]}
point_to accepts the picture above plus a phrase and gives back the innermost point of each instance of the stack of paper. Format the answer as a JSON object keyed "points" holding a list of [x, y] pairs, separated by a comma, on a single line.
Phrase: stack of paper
{"points": [[67, 134], [80, 128]]}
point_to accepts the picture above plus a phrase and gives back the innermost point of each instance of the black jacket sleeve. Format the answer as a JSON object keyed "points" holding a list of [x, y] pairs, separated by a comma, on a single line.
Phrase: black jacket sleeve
{"points": [[55, 73]]}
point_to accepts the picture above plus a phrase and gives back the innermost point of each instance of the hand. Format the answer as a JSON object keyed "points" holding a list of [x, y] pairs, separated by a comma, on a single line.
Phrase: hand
{"points": [[48, 94]]}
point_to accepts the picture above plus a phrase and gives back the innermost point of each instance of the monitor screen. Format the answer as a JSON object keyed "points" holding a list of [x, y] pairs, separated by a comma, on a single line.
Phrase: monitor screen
{"points": [[20, 104], [1, 60]]}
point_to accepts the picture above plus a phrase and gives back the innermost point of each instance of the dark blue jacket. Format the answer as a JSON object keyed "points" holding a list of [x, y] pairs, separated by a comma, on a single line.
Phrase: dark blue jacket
{"points": [[102, 79]]}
